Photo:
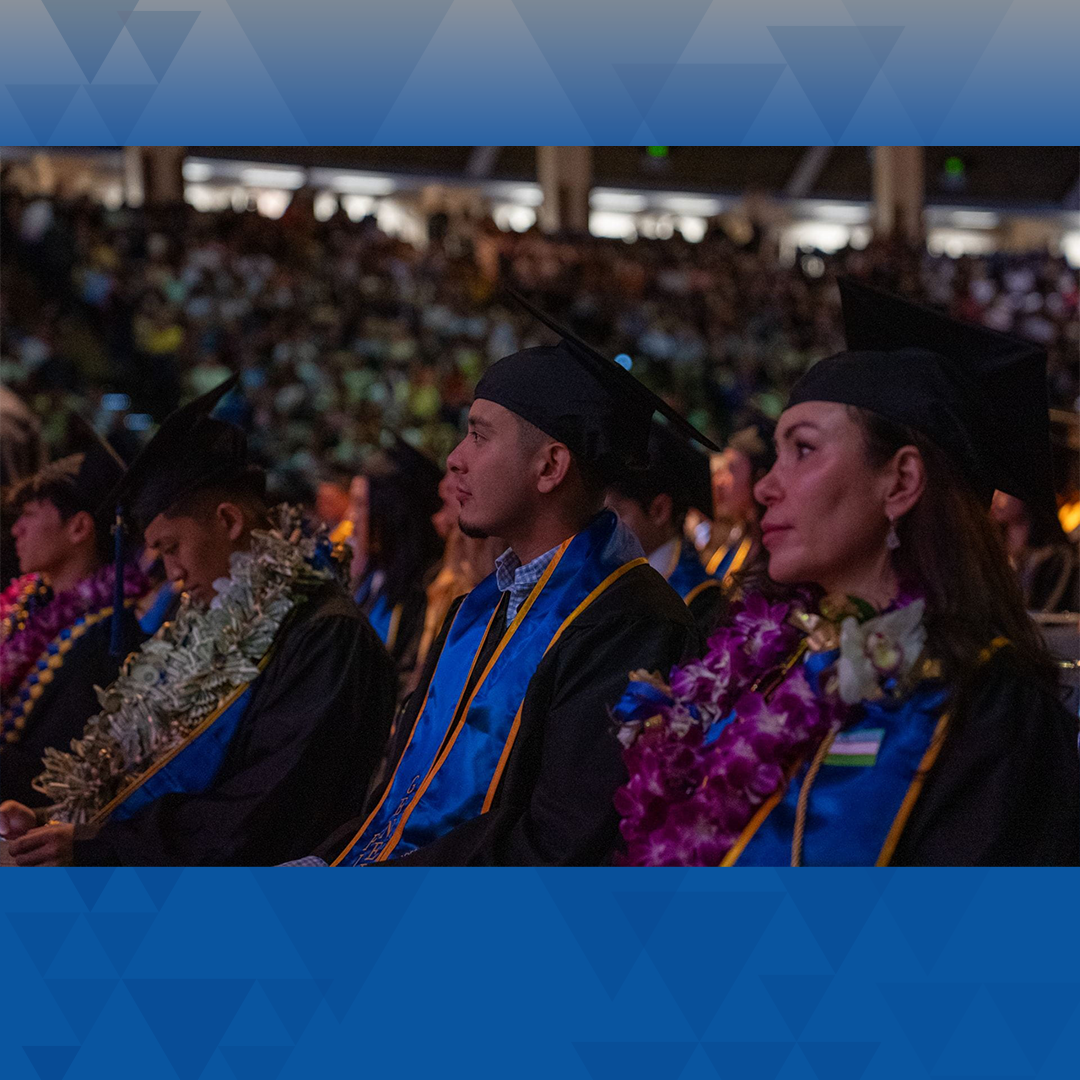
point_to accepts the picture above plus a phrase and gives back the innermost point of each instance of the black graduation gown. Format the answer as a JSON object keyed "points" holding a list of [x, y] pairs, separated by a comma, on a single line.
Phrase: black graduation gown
{"points": [[1005, 789], [302, 756], [60, 714], [707, 608], [554, 804]]}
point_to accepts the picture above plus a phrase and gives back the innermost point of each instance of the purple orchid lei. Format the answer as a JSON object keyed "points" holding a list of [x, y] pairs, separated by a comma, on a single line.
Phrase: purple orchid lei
{"points": [[690, 796], [21, 650]]}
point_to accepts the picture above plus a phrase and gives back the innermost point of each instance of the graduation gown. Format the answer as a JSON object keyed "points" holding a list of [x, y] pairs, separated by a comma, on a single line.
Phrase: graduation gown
{"points": [[1005, 789], [554, 803], [60, 714], [301, 758]]}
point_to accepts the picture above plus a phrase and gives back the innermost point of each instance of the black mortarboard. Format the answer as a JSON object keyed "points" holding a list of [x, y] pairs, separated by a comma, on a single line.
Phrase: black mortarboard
{"points": [[980, 396], [412, 471], [189, 450], [95, 467], [676, 467], [575, 394]]}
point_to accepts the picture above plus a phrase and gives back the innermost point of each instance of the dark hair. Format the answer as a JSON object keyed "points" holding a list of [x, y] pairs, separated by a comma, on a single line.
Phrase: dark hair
{"points": [[55, 483], [247, 489], [404, 543], [644, 488], [951, 551]]}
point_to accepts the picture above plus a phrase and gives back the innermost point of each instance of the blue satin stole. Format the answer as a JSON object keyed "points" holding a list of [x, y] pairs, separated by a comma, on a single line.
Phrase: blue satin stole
{"points": [[452, 764], [852, 807], [150, 623], [379, 616], [689, 571], [194, 768]]}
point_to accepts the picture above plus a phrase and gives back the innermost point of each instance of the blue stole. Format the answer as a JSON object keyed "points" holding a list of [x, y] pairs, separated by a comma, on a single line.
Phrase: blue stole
{"points": [[451, 766], [689, 573], [381, 615], [193, 769], [853, 804], [150, 623]]}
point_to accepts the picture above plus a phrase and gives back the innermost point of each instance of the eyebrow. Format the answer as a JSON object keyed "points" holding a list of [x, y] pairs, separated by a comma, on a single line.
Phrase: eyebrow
{"points": [[479, 422], [789, 431]]}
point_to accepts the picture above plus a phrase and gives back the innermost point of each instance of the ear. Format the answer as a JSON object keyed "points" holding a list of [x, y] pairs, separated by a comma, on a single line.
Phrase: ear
{"points": [[906, 482], [659, 510], [79, 527], [554, 464], [231, 519]]}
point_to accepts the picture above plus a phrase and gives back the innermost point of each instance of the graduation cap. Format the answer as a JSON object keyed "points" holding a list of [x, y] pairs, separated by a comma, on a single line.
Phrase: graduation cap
{"points": [[101, 467], [979, 395], [188, 451], [577, 395], [417, 476], [676, 467]]}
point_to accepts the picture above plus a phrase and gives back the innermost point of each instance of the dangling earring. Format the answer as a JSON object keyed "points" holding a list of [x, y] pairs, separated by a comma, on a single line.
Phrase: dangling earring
{"points": [[892, 541]]}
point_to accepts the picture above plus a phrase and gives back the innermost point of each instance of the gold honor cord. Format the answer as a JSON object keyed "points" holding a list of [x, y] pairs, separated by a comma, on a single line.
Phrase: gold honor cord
{"points": [[103, 814], [512, 737]]}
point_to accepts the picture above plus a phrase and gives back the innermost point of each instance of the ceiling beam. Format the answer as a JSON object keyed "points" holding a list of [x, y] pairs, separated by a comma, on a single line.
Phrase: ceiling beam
{"points": [[807, 171]]}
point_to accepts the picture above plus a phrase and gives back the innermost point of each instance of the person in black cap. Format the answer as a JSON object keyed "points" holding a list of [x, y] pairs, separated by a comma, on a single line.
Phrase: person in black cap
{"points": [[890, 701], [254, 721], [396, 545], [654, 505], [504, 753], [56, 631]]}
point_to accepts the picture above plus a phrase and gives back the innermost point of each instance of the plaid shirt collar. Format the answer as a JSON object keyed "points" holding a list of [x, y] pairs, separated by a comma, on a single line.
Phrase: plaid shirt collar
{"points": [[518, 580]]}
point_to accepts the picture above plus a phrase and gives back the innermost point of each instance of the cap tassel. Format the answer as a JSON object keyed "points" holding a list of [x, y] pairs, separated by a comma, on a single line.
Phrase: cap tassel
{"points": [[116, 636]]}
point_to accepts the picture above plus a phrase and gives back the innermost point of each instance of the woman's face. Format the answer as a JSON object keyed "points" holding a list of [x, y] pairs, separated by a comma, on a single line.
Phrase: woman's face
{"points": [[825, 503]]}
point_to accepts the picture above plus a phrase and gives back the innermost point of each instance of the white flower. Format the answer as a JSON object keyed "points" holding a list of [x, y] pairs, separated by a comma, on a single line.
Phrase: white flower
{"points": [[885, 647]]}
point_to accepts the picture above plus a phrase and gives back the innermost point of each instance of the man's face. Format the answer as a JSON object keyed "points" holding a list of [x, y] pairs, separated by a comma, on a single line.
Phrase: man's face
{"points": [[495, 484], [41, 538], [195, 551]]}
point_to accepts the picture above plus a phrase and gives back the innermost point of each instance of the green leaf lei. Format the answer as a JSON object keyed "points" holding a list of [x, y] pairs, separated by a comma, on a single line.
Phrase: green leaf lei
{"points": [[166, 689]]}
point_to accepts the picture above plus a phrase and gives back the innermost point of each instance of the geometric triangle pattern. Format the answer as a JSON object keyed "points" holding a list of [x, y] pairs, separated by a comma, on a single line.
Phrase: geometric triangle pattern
{"points": [[936, 55], [748, 1061], [51, 1062], [796, 996], [835, 66], [456, 971], [90, 28], [81, 1001], [928, 1013], [617, 1061], [294, 1001], [837, 906], [120, 105], [158, 881], [90, 881], [41, 935], [120, 935], [159, 35], [188, 1016], [607, 939], [42, 106], [838, 1060], [927, 928], [1036, 1014], [644, 82], [256, 1062], [699, 979]]}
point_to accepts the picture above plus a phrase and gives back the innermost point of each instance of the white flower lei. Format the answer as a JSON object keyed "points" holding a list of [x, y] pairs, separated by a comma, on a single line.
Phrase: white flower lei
{"points": [[166, 689]]}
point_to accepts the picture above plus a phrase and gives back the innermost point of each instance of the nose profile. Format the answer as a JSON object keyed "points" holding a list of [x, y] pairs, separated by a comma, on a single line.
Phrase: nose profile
{"points": [[453, 462], [766, 490]]}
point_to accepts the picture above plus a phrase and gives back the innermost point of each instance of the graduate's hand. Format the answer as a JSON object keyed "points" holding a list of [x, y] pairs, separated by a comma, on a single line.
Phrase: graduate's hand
{"points": [[51, 845], [15, 819]]}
